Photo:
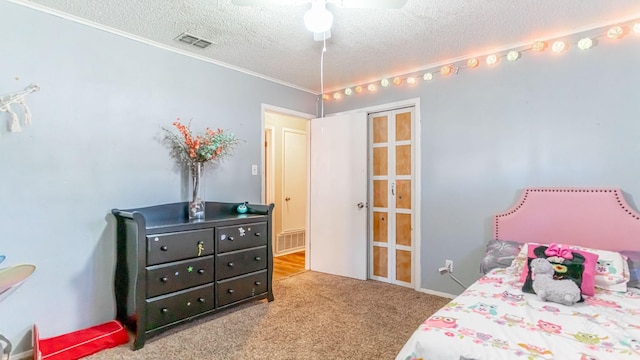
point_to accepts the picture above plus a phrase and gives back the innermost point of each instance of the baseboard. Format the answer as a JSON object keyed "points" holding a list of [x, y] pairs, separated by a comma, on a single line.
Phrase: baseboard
{"points": [[25, 355], [437, 293]]}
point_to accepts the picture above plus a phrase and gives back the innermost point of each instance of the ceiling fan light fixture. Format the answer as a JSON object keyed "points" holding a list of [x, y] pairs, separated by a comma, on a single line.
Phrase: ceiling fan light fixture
{"points": [[318, 19]]}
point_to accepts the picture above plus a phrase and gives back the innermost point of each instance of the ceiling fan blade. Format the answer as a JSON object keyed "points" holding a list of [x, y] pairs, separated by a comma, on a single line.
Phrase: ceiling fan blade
{"points": [[370, 4], [267, 3]]}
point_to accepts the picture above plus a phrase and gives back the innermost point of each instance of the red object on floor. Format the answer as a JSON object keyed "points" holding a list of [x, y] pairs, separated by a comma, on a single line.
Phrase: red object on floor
{"points": [[81, 343]]}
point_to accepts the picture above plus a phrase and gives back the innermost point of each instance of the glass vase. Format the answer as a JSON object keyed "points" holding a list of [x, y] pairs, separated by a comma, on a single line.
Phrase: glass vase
{"points": [[196, 201]]}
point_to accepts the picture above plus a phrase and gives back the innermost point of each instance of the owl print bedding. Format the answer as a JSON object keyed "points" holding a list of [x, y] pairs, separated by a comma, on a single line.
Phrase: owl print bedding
{"points": [[494, 319]]}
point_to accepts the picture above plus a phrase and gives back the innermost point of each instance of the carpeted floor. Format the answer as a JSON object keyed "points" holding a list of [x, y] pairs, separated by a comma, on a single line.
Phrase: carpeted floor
{"points": [[314, 316]]}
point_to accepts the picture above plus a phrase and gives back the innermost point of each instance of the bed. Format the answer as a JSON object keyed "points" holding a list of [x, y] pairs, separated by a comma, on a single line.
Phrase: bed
{"points": [[495, 319]]}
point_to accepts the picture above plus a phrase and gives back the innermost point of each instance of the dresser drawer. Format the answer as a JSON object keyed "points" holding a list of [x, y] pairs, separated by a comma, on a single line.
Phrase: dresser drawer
{"points": [[241, 262], [169, 247], [166, 309], [166, 278], [240, 288], [238, 237]]}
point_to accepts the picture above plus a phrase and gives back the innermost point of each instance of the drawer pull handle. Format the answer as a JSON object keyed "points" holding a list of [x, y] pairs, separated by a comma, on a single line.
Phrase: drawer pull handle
{"points": [[164, 310], [230, 238], [258, 283], [201, 271], [230, 264], [257, 234], [230, 291], [258, 258], [164, 248], [164, 279], [200, 299]]}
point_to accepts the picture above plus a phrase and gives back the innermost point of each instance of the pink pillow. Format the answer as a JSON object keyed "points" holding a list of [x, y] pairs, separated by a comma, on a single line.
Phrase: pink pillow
{"points": [[588, 275]]}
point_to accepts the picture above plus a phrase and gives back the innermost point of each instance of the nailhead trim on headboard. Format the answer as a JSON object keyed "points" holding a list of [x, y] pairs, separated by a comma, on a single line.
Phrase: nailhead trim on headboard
{"points": [[619, 199]]}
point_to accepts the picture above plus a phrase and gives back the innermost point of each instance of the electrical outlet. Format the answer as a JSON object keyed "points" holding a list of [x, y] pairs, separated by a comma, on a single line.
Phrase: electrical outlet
{"points": [[449, 265], [254, 169]]}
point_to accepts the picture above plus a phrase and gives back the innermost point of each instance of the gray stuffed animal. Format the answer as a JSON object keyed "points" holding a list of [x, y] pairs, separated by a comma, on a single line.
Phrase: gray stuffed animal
{"points": [[564, 292]]}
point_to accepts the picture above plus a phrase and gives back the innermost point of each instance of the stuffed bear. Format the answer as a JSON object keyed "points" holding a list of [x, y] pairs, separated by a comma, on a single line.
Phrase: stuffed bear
{"points": [[564, 292]]}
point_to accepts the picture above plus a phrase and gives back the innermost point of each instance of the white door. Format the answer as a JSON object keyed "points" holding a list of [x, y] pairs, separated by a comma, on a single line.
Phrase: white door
{"points": [[294, 180], [338, 196]]}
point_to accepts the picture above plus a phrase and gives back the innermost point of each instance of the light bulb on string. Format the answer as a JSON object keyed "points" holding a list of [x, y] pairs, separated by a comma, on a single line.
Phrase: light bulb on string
{"points": [[492, 59], [427, 76], [585, 43], [636, 28], [615, 32], [411, 80], [446, 70], [384, 82], [513, 55], [358, 89], [372, 87], [337, 96], [559, 46], [538, 46], [473, 62], [348, 91], [397, 81]]}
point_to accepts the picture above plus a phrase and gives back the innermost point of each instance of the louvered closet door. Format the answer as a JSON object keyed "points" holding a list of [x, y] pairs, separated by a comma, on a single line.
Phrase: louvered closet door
{"points": [[391, 191]]}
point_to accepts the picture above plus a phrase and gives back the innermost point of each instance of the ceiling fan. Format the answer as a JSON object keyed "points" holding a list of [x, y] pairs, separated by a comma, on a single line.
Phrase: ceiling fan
{"points": [[318, 19]]}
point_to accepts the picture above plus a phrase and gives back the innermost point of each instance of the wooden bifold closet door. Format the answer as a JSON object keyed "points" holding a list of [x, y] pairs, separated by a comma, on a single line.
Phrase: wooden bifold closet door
{"points": [[391, 184]]}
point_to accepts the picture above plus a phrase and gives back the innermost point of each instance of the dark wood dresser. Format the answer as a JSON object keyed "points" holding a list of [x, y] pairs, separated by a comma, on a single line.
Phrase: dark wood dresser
{"points": [[170, 270]]}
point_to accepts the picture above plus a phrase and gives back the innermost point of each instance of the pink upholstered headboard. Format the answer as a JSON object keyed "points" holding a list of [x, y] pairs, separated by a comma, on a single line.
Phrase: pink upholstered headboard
{"points": [[591, 217]]}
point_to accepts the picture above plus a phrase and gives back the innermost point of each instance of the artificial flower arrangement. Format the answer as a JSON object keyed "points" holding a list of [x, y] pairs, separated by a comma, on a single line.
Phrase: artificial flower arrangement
{"points": [[191, 150], [195, 151]]}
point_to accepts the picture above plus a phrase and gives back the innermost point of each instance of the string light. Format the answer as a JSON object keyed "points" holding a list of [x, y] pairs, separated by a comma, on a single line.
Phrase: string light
{"points": [[513, 55], [492, 60], [615, 32], [538, 46], [558, 46], [585, 43]]}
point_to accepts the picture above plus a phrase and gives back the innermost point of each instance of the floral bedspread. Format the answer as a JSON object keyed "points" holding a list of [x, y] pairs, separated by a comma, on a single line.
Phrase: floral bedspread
{"points": [[494, 319]]}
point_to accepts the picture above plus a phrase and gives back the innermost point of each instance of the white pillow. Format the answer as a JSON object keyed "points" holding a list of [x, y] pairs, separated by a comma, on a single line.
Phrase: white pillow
{"points": [[612, 269]]}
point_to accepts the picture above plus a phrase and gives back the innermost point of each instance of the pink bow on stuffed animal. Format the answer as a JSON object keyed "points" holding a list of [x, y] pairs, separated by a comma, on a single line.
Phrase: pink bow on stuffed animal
{"points": [[555, 250]]}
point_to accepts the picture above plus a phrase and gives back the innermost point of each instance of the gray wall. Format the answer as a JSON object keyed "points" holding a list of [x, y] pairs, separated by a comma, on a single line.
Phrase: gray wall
{"points": [[546, 120], [95, 145]]}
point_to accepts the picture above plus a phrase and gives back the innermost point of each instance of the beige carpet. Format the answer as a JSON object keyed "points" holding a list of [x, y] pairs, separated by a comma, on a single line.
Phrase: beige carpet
{"points": [[314, 316]]}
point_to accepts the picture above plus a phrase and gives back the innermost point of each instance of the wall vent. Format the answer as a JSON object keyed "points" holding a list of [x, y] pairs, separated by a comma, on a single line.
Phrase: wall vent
{"points": [[290, 241], [193, 40]]}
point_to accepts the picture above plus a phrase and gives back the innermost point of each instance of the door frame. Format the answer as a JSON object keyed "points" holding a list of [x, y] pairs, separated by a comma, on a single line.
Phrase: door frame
{"points": [[276, 109], [415, 103]]}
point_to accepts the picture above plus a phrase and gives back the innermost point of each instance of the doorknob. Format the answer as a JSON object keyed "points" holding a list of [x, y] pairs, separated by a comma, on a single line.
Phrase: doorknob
{"points": [[360, 205], [287, 198]]}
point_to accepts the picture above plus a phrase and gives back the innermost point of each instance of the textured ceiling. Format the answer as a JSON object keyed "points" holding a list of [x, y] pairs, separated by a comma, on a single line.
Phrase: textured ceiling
{"points": [[366, 44]]}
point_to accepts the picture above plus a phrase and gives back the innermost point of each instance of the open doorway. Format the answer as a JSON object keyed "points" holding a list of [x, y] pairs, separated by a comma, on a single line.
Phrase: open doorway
{"points": [[285, 185]]}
